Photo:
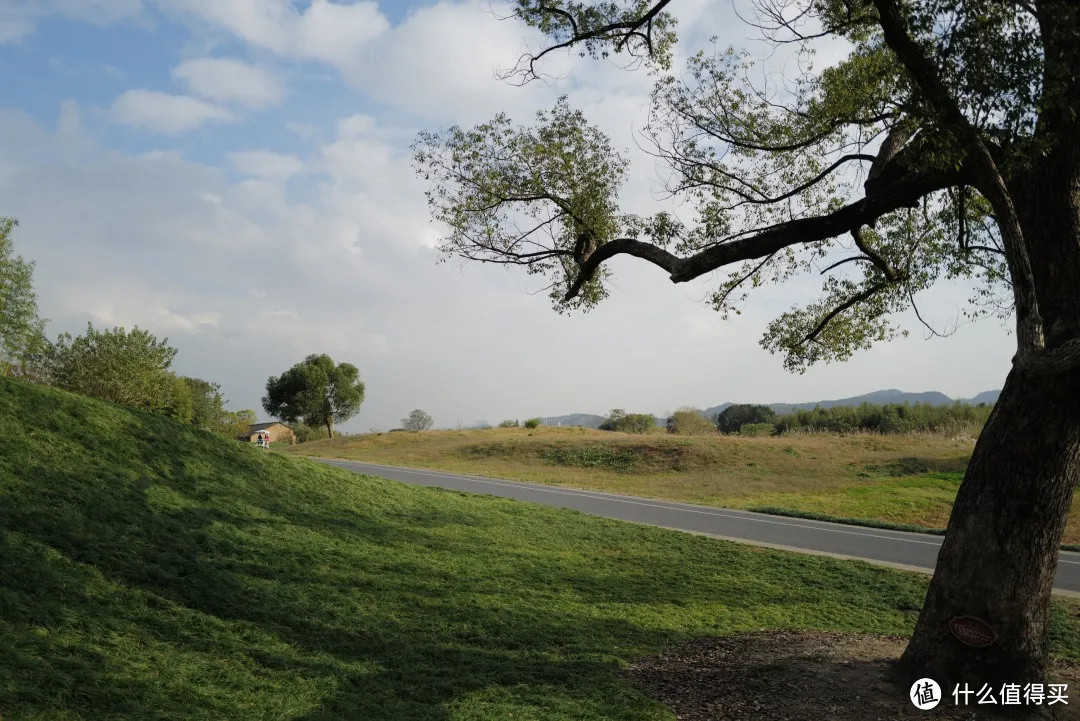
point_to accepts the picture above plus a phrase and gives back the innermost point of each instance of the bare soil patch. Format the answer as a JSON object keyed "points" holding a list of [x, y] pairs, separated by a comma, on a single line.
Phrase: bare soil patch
{"points": [[805, 675]]}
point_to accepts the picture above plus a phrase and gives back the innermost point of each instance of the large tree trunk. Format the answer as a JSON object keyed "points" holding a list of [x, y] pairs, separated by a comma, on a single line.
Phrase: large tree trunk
{"points": [[1000, 554], [329, 428]]}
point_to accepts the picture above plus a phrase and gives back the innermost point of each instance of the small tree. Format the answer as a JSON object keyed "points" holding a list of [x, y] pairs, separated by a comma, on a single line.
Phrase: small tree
{"points": [[688, 422], [611, 423], [510, 423], [417, 421], [237, 424], [22, 334], [620, 420], [316, 391], [532, 423], [732, 418], [121, 366]]}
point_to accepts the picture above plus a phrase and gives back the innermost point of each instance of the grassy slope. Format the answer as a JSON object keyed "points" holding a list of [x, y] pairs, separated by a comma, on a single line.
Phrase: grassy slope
{"points": [[151, 570], [904, 479]]}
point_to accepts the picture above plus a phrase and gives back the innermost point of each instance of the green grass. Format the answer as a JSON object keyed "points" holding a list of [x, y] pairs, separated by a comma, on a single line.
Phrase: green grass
{"points": [[151, 570]]}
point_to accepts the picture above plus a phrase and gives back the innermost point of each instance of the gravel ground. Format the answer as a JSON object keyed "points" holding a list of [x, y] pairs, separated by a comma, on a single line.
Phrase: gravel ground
{"points": [[803, 676]]}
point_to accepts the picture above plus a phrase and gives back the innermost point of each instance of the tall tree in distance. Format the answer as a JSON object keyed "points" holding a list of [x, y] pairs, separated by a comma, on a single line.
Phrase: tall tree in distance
{"points": [[944, 145], [22, 331], [417, 420], [315, 391]]}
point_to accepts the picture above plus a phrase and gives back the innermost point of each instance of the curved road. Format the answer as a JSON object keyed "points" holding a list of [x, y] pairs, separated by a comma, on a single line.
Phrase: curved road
{"points": [[913, 551]]}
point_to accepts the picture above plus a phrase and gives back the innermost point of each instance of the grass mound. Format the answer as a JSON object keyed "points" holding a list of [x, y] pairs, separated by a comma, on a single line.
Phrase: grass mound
{"points": [[151, 570]]}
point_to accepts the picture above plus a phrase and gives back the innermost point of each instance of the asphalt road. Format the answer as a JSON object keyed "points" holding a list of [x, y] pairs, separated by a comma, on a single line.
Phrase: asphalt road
{"points": [[914, 551]]}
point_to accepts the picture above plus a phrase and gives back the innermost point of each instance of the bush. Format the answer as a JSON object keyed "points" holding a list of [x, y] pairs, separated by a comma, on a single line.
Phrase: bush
{"points": [[305, 433], [620, 420], [509, 423], [757, 429], [532, 423], [126, 367], [688, 422], [733, 418]]}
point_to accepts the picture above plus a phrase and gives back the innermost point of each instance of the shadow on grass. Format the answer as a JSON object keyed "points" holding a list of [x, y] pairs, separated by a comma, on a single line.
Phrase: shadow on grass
{"points": [[152, 570]]}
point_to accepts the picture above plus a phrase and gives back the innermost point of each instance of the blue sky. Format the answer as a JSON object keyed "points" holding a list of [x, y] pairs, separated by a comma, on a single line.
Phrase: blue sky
{"points": [[235, 175]]}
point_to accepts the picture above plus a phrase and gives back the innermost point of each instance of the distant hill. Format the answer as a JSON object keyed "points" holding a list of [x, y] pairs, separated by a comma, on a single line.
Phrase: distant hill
{"points": [[882, 397], [891, 395], [588, 420], [984, 397]]}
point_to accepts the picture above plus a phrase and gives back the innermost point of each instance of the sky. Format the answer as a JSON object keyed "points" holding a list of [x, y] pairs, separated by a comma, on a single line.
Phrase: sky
{"points": [[235, 175]]}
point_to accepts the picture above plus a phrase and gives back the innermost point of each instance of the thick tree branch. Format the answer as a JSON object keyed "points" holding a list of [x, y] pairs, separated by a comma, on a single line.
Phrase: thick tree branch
{"points": [[886, 268], [988, 178], [904, 192]]}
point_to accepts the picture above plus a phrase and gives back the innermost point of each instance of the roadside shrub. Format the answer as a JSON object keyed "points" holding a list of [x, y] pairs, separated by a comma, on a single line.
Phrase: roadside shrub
{"points": [[509, 423], [688, 422], [532, 423], [616, 460], [757, 429]]}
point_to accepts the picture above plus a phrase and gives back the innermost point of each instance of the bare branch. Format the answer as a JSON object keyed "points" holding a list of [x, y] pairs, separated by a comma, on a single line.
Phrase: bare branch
{"points": [[852, 259], [624, 31], [933, 331]]}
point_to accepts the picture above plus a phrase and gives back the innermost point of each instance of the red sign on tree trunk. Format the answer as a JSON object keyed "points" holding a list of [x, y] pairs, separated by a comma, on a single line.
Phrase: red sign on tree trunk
{"points": [[972, 631]]}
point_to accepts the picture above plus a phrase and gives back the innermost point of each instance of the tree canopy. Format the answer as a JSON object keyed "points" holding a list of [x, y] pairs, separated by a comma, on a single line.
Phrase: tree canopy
{"points": [[883, 172], [315, 391], [733, 418], [22, 331]]}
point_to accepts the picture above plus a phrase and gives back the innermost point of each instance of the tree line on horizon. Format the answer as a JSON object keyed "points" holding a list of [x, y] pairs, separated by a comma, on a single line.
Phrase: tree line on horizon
{"points": [[756, 419]]}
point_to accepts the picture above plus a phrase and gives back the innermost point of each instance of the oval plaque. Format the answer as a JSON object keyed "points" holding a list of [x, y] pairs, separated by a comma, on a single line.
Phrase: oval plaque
{"points": [[972, 631]]}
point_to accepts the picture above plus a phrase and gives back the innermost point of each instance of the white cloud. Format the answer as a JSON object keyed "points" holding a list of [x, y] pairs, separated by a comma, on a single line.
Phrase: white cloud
{"points": [[355, 125], [18, 17], [327, 31], [444, 63], [336, 32], [230, 80], [266, 165], [14, 27], [161, 112]]}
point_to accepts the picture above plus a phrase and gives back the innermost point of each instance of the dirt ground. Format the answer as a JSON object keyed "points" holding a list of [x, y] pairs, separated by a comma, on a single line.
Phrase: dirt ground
{"points": [[805, 676]]}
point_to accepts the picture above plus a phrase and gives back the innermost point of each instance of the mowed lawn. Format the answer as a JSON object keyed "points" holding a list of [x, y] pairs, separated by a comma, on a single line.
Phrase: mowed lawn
{"points": [[898, 479], [151, 570]]}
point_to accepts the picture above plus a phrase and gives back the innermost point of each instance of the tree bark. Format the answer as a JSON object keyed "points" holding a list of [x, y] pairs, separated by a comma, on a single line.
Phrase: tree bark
{"points": [[1000, 553], [329, 428]]}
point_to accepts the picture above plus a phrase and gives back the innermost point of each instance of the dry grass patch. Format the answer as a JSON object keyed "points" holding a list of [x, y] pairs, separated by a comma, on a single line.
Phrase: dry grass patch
{"points": [[904, 479]]}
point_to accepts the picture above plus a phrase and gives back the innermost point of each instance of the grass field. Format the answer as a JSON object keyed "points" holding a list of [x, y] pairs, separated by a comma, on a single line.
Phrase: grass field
{"points": [[901, 479], [152, 570]]}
